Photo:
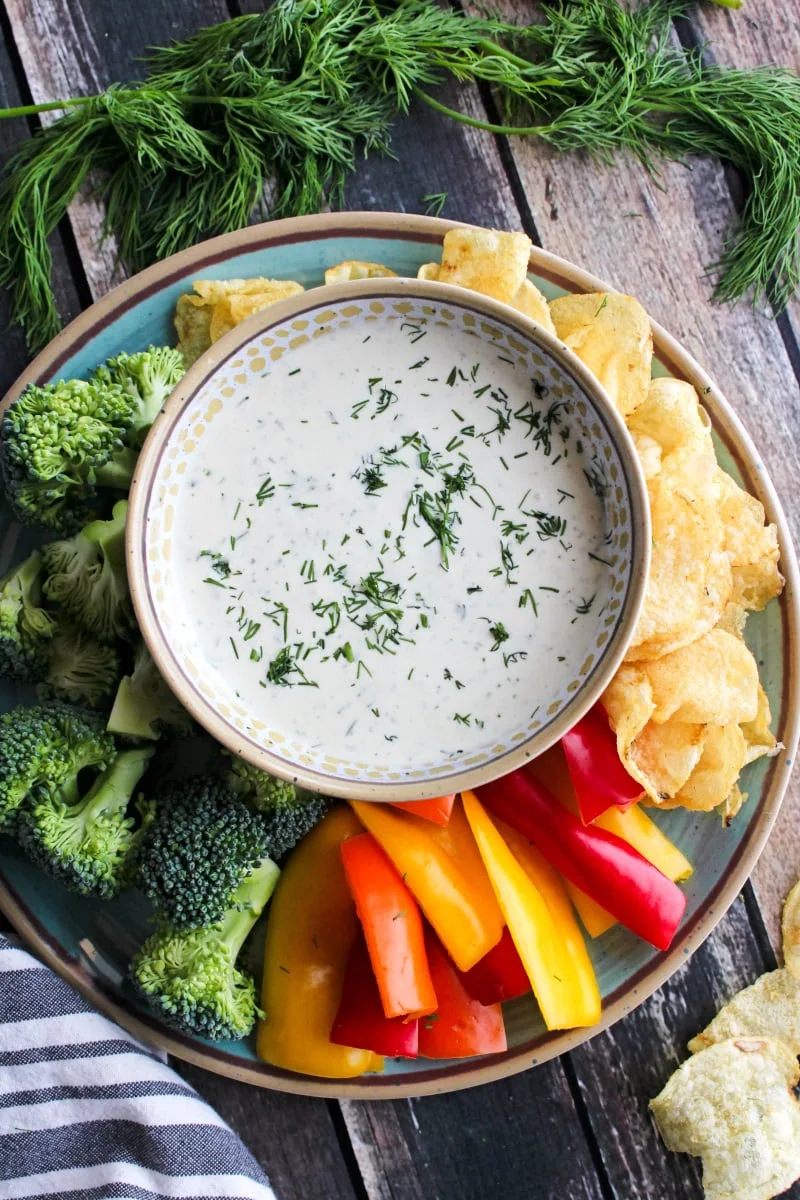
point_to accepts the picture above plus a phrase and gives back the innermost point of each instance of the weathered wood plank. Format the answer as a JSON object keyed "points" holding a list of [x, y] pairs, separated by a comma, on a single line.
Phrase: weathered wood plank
{"points": [[15, 354], [521, 1137], [293, 1138], [76, 47]]}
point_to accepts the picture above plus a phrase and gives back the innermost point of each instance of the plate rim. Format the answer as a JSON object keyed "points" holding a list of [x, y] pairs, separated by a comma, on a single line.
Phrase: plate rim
{"points": [[681, 364]]}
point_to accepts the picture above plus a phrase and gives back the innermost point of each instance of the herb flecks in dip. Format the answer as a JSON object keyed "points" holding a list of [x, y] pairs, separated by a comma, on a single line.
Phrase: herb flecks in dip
{"points": [[404, 555]]}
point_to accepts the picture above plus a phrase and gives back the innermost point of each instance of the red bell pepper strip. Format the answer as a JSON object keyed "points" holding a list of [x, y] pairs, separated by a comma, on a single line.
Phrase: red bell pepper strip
{"points": [[360, 1020], [439, 810], [597, 773], [603, 865], [392, 924], [461, 1026], [500, 974]]}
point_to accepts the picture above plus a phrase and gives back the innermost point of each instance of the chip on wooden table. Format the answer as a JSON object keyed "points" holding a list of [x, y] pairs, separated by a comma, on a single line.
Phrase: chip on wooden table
{"points": [[486, 260], [353, 269], [770, 1007], [733, 1105], [611, 334], [790, 930]]}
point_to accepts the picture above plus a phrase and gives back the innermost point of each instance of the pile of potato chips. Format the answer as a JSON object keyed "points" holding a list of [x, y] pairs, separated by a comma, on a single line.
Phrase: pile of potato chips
{"points": [[733, 1102], [687, 706]]}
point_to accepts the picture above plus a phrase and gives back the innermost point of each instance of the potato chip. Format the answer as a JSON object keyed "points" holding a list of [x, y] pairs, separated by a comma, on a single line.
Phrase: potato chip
{"points": [[672, 416], [486, 261], [428, 271], [758, 736], [648, 452], [724, 755], [733, 802], [751, 545], [733, 1106], [690, 576], [733, 619], [712, 681], [353, 269], [192, 321], [530, 301], [216, 289], [628, 701], [222, 321], [770, 1007], [665, 756], [611, 334], [244, 304]]}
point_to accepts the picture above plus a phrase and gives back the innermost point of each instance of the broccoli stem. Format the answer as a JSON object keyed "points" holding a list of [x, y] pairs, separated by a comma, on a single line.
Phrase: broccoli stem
{"points": [[110, 535], [118, 471], [111, 791], [248, 903]]}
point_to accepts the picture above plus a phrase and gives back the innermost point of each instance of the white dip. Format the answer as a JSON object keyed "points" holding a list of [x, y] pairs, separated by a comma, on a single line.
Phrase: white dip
{"points": [[399, 558]]}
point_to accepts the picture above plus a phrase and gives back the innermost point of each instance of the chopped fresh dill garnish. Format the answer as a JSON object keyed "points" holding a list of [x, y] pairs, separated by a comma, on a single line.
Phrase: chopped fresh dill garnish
{"points": [[498, 634], [219, 564], [462, 718], [585, 606], [527, 598], [266, 491]]}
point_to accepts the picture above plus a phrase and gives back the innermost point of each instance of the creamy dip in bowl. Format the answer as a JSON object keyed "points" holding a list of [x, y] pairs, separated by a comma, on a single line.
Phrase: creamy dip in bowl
{"points": [[389, 539]]}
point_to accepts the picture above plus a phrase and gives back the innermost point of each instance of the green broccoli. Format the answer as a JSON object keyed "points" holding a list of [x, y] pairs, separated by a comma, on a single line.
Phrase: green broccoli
{"points": [[61, 442], [65, 443], [148, 376], [289, 812], [88, 845], [80, 670], [190, 979], [25, 627], [144, 706], [87, 577], [43, 749], [200, 845]]}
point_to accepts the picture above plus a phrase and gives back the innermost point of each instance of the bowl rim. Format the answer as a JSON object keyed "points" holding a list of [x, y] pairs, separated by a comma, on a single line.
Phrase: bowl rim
{"points": [[143, 502], [680, 364]]}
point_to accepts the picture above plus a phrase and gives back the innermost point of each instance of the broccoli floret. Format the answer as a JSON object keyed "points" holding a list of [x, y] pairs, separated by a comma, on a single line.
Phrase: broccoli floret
{"points": [[80, 669], [148, 377], [87, 845], [200, 845], [289, 812], [144, 706], [62, 442], [190, 979], [43, 749], [25, 627], [87, 577]]}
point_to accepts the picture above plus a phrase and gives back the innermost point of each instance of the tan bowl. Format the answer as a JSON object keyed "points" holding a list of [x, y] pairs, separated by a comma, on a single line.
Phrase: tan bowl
{"points": [[201, 424]]}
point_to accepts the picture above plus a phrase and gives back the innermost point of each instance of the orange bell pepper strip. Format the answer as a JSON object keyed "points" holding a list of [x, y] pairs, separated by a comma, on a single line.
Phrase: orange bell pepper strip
{"points": [[437, 810], [311, 929], [461, 1027], [460, 908], [392, 926], [545, 939], [632, 824]]}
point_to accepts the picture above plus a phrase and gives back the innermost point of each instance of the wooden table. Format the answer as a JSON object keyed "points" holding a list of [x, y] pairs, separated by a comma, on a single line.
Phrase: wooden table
{"points": [[577, 1127]]}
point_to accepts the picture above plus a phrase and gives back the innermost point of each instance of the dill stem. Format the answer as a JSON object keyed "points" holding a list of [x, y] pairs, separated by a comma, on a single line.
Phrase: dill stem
{"points": [[29, 110], [475, 122]]}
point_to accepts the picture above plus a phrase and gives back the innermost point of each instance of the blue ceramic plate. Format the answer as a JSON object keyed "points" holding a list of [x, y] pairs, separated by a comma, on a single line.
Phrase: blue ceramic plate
{"points": [[89, 942]]}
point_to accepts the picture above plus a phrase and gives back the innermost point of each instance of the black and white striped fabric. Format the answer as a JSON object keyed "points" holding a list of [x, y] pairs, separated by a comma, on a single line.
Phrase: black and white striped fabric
{"points": [[88, 1113]]}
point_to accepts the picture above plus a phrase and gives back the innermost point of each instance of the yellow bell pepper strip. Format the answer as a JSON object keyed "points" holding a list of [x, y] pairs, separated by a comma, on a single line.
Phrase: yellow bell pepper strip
{"points": [[312, 927], [596, 919], [551, 885], [455, 905], [537, 932]]}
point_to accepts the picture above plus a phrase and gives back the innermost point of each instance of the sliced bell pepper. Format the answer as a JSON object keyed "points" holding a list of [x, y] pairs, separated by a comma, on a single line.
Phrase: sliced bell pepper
{"points": [[551, 885], [392, 925], [312, 926], [632, 824], [595, 768], [499, 976], [600, 863], [437, 810], [467, 921], [360, 1020], [536, 930], [461, 1026]]}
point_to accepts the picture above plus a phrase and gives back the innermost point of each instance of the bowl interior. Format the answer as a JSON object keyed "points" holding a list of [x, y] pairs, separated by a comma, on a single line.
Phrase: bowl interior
{"points": [[389, 541]]}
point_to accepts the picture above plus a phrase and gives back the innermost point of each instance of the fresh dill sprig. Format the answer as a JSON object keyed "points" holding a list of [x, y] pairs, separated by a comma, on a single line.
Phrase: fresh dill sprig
{"points": [[281, 103]]}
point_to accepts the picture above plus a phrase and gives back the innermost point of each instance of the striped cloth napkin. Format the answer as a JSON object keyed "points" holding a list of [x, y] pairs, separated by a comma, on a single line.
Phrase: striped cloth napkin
{"points": [[89, 1113]]}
